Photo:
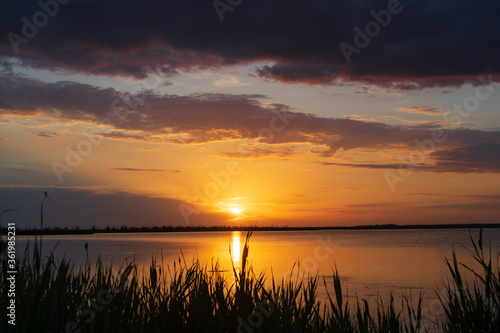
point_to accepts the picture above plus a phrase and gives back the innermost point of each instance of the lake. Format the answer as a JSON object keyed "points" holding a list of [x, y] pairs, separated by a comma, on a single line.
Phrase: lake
{"points": [[370, 262]]}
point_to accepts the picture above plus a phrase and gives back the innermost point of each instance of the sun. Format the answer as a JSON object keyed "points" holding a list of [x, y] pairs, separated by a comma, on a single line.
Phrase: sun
{"points": [[235, 210]]}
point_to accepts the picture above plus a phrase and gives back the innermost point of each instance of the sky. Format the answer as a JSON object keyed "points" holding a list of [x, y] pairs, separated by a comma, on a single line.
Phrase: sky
{"points": [[237, 112]]}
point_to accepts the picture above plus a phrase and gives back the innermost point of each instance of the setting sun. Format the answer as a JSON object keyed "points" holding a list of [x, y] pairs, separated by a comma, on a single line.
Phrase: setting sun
{"points": [[220, 166]]}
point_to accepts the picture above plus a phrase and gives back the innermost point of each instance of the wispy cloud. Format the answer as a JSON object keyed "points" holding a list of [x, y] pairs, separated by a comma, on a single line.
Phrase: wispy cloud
{"points": [[17, 169], [372, 205], [47, 134], [480, 206], [134, 169], [260, 152], [422, 109]]}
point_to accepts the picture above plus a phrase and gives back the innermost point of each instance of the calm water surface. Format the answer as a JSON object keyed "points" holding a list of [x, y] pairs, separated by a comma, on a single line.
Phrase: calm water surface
{"points": [[370, 262]]}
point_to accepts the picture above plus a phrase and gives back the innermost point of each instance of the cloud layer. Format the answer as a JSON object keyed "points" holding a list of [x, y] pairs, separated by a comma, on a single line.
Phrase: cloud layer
{"points": [[204, 118], [426, 44], [422, 109]]}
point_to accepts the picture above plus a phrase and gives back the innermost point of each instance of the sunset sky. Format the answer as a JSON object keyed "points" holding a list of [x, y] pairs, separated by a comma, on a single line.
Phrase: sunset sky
{"points": [[299, 112]]}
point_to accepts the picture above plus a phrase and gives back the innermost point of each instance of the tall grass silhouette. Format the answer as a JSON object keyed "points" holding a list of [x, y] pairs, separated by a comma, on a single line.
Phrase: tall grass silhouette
{"points": [[57, 296]]}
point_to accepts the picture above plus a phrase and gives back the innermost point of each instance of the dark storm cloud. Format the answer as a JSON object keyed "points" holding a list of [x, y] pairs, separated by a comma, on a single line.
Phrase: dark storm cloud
{"points": [[95, 208], [68, 99], [5, 66], [202, 118], [480, 157], [426, 44]]}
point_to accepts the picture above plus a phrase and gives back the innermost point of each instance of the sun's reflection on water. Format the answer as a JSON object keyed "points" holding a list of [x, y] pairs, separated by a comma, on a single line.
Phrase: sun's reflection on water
{"points": [[236, 250]]}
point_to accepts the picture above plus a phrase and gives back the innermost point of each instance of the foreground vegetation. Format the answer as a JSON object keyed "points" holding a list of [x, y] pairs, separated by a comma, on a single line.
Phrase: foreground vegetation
{"points": [[56, 296]]}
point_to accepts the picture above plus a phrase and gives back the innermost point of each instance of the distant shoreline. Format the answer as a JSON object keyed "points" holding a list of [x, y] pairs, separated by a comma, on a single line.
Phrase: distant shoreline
{"points": [[61, 231]]}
